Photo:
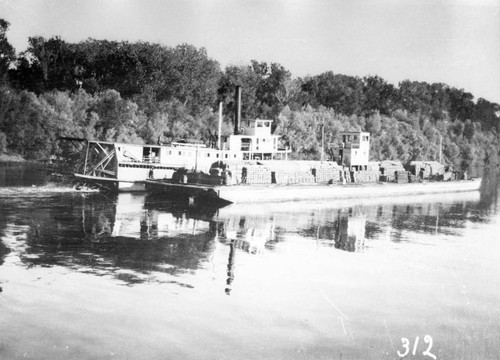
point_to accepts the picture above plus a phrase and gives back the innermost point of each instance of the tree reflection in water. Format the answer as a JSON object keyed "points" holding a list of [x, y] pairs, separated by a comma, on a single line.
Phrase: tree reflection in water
{"points": [[3, 252]]}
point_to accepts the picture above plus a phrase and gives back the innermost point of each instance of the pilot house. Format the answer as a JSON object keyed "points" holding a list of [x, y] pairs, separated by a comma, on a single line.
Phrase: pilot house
{"points": [[355, 150]]}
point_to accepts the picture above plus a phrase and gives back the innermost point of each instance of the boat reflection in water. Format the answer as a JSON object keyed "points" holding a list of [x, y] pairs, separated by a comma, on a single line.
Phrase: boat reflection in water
{"points": [[349, 225], [120, 236], [137, 238], [239, 233]]}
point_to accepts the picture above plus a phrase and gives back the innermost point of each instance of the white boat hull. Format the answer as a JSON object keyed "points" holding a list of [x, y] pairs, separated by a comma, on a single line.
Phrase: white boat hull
{"points": [[302, 192]]}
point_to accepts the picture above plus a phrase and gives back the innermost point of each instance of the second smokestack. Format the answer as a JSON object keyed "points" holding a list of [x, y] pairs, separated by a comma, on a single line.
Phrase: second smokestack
{"points": [[237, 110]]}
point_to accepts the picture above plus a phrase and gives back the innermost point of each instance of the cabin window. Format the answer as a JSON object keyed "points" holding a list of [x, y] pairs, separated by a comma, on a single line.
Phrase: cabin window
{"points": [[227, 156], [208, 154], [355, 137], [245, 144], [217, 155], [235, 156], [267, 124], [259, 124], [150, 154]]}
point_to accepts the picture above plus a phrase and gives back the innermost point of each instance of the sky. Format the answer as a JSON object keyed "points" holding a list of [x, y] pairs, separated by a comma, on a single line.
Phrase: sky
{"points": [[456, 42]]}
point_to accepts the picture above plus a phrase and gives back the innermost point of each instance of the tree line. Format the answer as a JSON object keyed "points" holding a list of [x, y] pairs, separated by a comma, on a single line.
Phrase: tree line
{"points": [[147, 93]]}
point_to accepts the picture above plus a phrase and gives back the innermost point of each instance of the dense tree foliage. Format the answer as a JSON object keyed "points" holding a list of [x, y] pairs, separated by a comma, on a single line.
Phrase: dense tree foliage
{"points": [[144, 92], [7, 53]]}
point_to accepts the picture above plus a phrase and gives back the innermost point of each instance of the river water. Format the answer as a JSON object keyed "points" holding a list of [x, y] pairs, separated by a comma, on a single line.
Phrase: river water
{"points": [[99, 276]]}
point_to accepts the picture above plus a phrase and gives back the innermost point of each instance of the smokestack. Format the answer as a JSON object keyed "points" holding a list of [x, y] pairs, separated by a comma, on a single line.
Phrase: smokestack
{"points": [[237, 110], [220, 127]]}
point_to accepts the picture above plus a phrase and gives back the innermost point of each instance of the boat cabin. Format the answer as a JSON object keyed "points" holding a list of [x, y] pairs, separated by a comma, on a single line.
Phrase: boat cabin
{"points": [[256, 142], [355, 150], [131, 163]]}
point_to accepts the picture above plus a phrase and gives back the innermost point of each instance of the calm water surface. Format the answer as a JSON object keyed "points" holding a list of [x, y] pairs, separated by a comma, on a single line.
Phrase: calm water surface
{"points": [[95, 276]]}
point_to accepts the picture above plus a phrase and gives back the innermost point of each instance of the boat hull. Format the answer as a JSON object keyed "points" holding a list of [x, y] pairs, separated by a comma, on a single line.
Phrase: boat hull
{"points": [[301, 192]]}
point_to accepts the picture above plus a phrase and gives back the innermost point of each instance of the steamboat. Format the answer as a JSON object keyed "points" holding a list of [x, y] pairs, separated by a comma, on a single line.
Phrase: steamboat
{"points": [[252, 165]]}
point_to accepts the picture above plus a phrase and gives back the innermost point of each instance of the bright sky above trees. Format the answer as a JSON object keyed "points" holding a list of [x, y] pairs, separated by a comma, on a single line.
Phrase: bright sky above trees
{"points": [[451, 41]]}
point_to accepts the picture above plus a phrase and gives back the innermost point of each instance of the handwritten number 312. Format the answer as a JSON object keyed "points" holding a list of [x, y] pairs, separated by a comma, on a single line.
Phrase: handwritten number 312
{"points": [[406, 346]]}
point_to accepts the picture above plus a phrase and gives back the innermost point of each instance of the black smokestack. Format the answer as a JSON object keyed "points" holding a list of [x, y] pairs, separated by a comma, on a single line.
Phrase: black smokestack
{"points": [[237, 110]]}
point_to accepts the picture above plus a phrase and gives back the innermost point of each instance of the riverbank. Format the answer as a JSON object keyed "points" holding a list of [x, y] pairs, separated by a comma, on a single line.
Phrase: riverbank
{"points": [[11, 158]]}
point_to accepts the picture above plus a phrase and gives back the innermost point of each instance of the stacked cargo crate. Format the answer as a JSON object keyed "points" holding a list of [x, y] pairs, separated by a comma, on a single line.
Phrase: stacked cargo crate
{"points": [[364, 176], [293, 177], [256, 174], [402, 176], [373, 166], [388, 170], [326, 173], [427, 169], [424, 172]]}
